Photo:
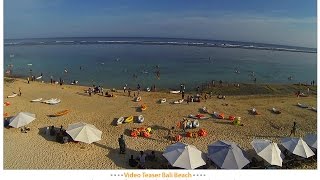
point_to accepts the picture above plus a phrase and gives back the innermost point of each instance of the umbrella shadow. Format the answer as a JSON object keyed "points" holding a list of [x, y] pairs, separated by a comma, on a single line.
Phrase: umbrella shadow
{"points": [[48, 137], [6, 122], [120, 160]]}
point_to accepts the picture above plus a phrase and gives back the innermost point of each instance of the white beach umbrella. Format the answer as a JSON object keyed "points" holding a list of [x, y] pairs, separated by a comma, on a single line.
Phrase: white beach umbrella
{"points": [[311, 140], [84, 132], [297, 146], [22, 119], [227, 155], [184, 156], [268, 150]]}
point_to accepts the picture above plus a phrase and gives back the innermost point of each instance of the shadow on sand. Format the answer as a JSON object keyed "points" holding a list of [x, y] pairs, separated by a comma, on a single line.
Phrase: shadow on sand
{"points": [[122, 160], [42, 132]]}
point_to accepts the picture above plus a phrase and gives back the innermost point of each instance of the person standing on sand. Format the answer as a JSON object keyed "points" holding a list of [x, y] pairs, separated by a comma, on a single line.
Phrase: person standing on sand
{"points": [[142, 160], [124, 88], [170, 134], [122, 145], [182, 95], [19, 91], [89, 91], [184, 124], [28, 80], [129, 92], [294, 129]]}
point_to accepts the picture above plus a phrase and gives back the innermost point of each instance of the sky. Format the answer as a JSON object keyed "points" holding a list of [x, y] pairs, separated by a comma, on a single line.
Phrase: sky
{"points": [[286, 22]]}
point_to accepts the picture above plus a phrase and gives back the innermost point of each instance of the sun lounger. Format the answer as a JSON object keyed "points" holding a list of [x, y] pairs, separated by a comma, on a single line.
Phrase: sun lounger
{"points": [[12, 96], [36, 100]]}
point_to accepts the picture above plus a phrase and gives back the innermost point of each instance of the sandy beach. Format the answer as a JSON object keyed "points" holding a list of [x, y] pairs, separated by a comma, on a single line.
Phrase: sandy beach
{"points": [[35, 150]]}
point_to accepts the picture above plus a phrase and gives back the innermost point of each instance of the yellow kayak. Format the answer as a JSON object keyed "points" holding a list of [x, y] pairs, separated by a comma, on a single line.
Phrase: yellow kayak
{"points": [[129, 119], [61, 113]]}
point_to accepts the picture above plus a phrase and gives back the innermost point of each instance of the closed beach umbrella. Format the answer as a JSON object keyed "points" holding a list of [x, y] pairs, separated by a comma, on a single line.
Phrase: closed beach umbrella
{"points": [[184, 156], [227, 155], [22, 119], [84, 132], [268, 150], [311, 140], [297, 146]]}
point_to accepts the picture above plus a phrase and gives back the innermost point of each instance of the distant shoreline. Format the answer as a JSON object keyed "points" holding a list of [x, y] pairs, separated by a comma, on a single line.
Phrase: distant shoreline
{"points": [[224, 89]]}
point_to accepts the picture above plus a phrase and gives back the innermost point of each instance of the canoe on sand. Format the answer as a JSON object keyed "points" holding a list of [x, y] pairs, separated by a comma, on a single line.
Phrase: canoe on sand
{"points": [[163, 100], [120, 120], [174, 92], [219, 116], [61, 113], [12, 96], [129, 119], [138, 99], [302, 105], [140, 119], [276, 111], [36, 100], [143, 107]]}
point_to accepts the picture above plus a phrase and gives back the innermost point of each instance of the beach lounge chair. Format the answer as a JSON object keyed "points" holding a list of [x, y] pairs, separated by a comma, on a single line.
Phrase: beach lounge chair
{"points": [[13, 95]]}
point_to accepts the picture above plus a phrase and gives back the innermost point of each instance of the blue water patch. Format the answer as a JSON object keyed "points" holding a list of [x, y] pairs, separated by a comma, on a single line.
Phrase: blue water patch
{"points": [[113, 62]]}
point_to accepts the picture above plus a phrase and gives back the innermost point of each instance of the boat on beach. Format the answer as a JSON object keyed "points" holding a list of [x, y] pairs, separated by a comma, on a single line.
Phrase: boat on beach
{"points": [[12, 96], [303, 105], [174, 92], [218, 115], [36, 100], [138, 99], [120, 120], [61, 113], [140, 119], [128, 119], [276, 111]]}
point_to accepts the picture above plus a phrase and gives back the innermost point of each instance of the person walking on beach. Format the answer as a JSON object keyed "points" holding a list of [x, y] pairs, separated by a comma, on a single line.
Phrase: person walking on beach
{"points": [[51, 79], [294, 129], [28, 80], [182, 95], [19, 91], [122, 145]]}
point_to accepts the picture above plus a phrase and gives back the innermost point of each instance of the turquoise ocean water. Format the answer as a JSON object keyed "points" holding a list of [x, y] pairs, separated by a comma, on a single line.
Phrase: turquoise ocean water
{"points": [[113, 62]]}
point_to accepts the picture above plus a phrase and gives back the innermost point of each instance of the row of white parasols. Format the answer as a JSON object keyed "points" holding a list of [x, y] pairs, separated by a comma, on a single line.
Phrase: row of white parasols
{"points": [[226, 155], [82, 132]]}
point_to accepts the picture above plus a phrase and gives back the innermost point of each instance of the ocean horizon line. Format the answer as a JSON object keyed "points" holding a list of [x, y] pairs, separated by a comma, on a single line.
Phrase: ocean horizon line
{"points": [[155, 37], [156, 41]]}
